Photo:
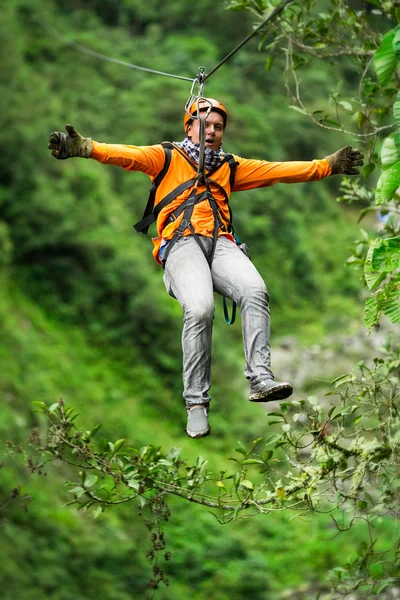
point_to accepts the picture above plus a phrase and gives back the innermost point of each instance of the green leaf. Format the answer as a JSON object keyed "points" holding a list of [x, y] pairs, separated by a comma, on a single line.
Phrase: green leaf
{"points": [[343, 379], [97, 511], [397, 140], [94, 430], [254, 445], [346, 105], [118, 444], [396, 110], [373, 278], [134, 484], [246, 483], [298, 109], [241, 451], [361, 117], [367, 170], [174, 453], [40, 404], [272, 439], [78, 491], [391, 307], [389, 153], [387, 184], [396, 44], [220, 484], [252, 461], [382, 586], [90, 480], [383, 258], [331, 122], [269, 62], [371, 312], [385, 59]]}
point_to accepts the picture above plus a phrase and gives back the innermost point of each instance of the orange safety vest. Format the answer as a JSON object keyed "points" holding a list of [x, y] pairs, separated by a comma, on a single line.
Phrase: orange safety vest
{"points": [[208, 201]]}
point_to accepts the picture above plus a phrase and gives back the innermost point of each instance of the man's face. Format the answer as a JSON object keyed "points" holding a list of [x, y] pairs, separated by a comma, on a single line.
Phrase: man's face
{"points": [[214, 130]]}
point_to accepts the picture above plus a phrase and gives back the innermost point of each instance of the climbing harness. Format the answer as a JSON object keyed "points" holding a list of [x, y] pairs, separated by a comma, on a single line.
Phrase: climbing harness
{"points": [[187, 206]]}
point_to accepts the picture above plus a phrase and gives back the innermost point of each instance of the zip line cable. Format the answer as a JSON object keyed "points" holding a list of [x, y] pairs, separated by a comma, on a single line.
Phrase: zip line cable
{"points": [[200, 78], [90, 52], [269, 18]]}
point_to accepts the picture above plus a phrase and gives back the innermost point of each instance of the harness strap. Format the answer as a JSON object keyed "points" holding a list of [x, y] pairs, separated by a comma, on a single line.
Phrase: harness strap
{"points": [[229, 319], [146, 221], [143, 225], [185, 223]]}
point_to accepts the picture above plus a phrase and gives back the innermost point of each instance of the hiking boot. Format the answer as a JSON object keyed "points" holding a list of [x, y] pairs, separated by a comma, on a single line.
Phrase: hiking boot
{"points": [[197, 424], [269, 390]]}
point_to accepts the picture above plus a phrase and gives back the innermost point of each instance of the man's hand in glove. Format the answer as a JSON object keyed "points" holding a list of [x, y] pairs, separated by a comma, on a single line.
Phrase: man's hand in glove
{"points": [[68, 145], [345, 160]]}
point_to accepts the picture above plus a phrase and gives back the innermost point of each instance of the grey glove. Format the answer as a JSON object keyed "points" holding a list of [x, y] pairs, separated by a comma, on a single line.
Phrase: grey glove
{"points": [[66, 146], [344, 160]]}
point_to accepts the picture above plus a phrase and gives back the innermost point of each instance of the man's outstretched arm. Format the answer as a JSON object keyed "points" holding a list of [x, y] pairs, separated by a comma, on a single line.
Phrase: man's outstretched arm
{"points": [[261, 173], [148, 159]]}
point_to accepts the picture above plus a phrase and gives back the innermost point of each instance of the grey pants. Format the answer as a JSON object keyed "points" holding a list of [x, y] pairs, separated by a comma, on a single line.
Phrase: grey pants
{"points": [[189, 279]]}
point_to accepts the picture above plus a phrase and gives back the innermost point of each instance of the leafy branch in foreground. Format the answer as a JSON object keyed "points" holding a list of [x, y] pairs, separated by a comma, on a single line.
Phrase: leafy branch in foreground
{"points": [[341, 459]]}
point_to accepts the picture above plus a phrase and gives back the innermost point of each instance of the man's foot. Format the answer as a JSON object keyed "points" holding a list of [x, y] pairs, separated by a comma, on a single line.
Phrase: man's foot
{"points": [[197, 424], [269, 390]]}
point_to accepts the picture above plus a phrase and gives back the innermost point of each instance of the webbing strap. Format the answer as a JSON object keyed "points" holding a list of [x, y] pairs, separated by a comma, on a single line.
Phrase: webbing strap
{"points": [[185, 222], [173, 216], [229, 319], [146, 221], [144, 224]]}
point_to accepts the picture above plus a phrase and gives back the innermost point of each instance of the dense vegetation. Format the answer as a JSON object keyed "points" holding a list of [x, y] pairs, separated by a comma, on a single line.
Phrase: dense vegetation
{"points": [[84, 314]]}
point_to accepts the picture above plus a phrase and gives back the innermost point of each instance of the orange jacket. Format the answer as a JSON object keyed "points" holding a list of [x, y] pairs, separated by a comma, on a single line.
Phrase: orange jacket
{"points": [[250, 174]]}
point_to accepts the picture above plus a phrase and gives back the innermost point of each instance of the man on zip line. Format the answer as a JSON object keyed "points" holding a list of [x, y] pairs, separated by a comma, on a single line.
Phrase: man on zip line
{"points": [[195, 244]]}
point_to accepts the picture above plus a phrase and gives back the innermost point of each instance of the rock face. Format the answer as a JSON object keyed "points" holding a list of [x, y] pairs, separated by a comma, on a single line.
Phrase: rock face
{"points": [[310, 370], [311, 592]]}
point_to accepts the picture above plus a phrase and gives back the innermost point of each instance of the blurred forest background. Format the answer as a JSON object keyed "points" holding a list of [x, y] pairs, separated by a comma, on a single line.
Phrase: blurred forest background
{"points": [[83, 310]]}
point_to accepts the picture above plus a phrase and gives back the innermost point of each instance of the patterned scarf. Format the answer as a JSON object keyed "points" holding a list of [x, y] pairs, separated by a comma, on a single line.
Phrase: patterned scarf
{"points": [[212, 157]]}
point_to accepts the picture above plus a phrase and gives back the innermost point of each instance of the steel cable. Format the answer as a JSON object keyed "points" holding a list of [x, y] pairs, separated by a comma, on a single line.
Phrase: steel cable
{"points": [[115, 61], [228, 56]]}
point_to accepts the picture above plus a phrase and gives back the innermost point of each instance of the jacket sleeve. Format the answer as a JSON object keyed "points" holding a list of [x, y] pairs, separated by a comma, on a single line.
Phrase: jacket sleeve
{"points": [[261, 173], [148, 159]]}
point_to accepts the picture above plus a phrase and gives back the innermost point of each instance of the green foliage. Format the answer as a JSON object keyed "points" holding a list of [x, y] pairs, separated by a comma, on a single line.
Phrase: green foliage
{"points": [[94, 324], [386, 56], [342, 458], [382, 260]]}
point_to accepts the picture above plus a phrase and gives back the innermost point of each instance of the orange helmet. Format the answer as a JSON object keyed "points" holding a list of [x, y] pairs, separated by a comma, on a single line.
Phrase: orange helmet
{"points": [[205, 105]]}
